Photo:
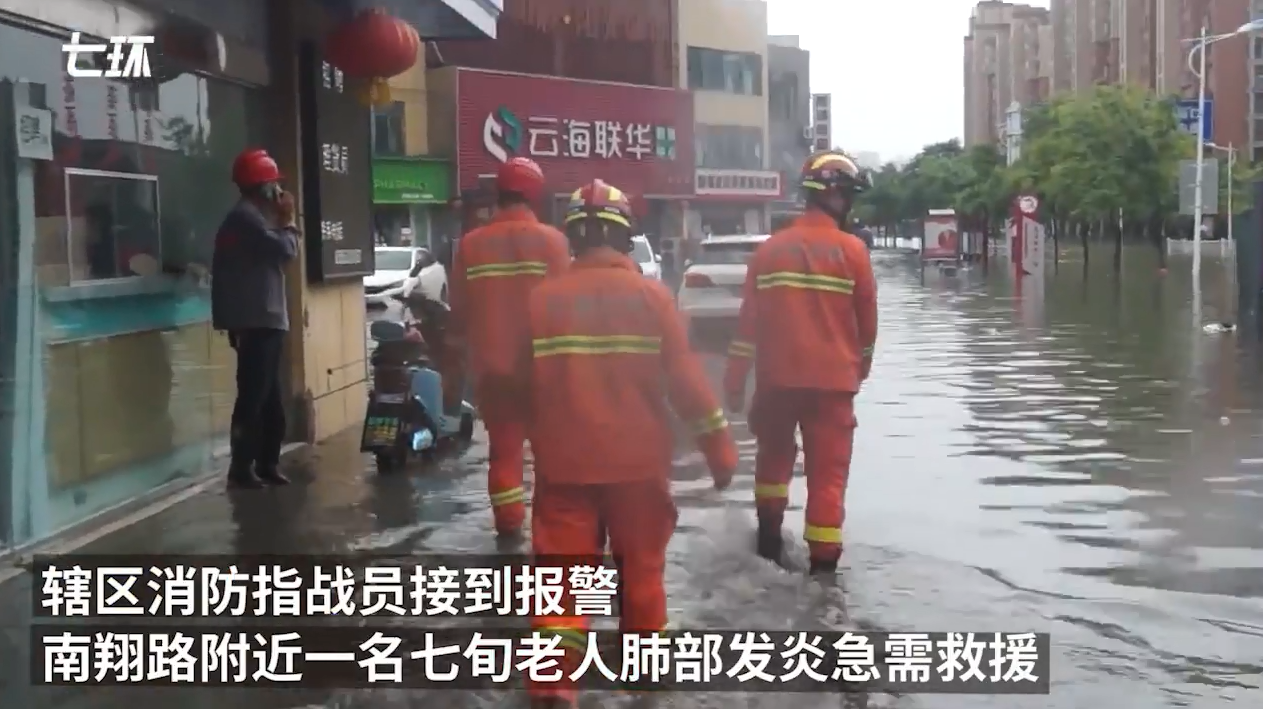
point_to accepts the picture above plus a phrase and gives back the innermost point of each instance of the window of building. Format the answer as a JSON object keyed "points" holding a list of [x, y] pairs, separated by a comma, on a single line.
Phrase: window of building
{"points": [[729, 72], [388, 129], [728, 147], [783, 98]]}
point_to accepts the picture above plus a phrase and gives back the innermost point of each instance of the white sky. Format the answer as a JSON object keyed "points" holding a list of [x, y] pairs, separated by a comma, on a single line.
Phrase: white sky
{"points": [[894, 67]]}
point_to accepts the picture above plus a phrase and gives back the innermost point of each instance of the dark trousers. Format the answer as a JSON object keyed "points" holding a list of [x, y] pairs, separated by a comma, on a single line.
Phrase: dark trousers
{"points": [[258, 417]]}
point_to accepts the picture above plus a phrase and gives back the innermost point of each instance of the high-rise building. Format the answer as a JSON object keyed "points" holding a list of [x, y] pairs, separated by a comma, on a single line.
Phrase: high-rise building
{"points": [[1008, 59], [1139, 42]]}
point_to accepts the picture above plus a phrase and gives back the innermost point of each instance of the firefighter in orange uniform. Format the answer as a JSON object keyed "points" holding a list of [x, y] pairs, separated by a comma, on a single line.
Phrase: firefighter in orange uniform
{"points": [[494, 270], [808, 325], [608, 361]]}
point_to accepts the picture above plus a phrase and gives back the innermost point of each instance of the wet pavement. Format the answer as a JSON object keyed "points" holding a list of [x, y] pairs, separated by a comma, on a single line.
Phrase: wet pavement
{"points": [[1091, 466]]}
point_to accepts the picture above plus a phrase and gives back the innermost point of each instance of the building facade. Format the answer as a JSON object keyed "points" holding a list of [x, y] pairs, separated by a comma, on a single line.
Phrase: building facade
{"points": [[1009, 58], [114, 383], [580, 42], [638, 138], [724, 50], [413, 188], [789, 119]]}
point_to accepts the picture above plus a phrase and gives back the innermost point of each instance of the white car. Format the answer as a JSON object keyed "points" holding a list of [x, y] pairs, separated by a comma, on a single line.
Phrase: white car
{"points": [[400, 269], [714, 277], [642, 253]]}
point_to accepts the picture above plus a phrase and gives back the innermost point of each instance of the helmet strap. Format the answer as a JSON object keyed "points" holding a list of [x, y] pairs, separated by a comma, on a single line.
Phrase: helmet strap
{"points": [[817, 199]]}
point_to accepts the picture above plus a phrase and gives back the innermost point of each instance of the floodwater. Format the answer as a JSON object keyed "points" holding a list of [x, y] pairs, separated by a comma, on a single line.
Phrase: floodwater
{"points": [[1088, 464]]}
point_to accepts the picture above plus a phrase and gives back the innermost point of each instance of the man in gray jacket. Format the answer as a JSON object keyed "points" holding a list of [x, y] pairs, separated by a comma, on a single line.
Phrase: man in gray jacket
{"points": [[254, 242]]}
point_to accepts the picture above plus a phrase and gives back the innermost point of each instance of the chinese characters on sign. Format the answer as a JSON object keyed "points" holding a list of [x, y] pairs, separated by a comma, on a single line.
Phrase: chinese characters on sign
{"points": [[555, 137], [453, 658], [336, 158], [737, 182], [34, 133], [134, 49]]}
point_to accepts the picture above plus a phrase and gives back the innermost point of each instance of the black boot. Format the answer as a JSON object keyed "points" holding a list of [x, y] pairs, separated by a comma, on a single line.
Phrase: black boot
{"points": [[241, 476], [271, 475], [770, 543]]}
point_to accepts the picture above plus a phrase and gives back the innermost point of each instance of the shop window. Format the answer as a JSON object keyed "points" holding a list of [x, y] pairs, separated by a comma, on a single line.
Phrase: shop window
{"points": [[129, 386], [117, 235]]}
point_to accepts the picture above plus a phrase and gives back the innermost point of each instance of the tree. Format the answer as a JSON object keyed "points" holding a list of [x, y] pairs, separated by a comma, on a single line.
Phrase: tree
{"points": [[1101, 163]]}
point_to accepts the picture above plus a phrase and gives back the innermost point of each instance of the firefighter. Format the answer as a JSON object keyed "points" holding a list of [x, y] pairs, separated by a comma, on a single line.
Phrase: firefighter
{"points": [[494, 269], [808, 324], [608, 361]]}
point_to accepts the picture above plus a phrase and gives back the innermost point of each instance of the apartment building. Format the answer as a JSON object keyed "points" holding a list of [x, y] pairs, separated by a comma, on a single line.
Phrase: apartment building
{"points": [[1140, 42], [1009, 58], [553, 67], [789, 116], [724, 62]]}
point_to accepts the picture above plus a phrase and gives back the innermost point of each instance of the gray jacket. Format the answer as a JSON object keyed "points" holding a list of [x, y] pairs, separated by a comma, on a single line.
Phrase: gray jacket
{"points": [[248, 271]]}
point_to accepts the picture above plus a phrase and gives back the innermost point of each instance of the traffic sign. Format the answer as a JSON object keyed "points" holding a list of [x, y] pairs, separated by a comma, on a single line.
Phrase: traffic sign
{"points": [[1186, 116]]}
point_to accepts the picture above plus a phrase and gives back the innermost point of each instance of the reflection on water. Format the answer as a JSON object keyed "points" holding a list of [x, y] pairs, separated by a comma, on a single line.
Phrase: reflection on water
{"points": [[1091, 468]]}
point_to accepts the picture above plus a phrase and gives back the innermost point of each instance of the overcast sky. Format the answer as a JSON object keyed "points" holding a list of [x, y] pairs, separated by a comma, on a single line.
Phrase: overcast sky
{"points": [[894, 67]]}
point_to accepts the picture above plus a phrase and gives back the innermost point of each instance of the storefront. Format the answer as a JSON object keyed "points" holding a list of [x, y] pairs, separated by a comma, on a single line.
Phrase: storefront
{"points": [[410, 200], [732, 201], [637, 138], [111, 191]]}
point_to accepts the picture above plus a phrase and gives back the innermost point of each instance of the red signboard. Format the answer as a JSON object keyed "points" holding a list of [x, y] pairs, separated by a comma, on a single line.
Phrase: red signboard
{"points": [[637, 138]]}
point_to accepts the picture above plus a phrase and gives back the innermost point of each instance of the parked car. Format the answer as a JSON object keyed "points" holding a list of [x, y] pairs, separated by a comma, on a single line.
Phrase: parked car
{"points": [[642, 253], [714, 277], [400, 269]]}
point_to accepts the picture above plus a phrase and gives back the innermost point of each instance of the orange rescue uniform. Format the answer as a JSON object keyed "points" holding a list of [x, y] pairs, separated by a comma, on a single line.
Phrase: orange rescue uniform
{"points": [[495, 268], [808, 324], [609, 359]]}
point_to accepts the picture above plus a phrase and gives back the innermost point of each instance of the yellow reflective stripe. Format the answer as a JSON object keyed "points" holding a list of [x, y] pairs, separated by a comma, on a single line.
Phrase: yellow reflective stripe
{"points": [[572, 638], [508, 268], [827, 535], [868, 351], [741, 348], [714, 421], [771, 491], [596, 345], [810, 281], [507, 497]]}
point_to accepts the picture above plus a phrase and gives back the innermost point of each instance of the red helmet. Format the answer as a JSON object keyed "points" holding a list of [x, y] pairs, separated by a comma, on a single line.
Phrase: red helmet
{"points": [[254, 167], [601, 200], [521, 176]]}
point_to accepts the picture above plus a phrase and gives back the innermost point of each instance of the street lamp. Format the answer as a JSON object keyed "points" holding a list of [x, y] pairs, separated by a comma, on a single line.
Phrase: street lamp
{"points": [[1232, 159], [1199, 48]]}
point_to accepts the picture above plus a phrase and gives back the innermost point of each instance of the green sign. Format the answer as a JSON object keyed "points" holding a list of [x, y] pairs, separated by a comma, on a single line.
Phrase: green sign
{"points": [[411, 181]]}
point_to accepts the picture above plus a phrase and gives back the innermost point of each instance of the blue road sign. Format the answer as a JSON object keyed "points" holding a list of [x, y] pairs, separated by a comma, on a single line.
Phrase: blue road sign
{"points": [[1186, 116]]}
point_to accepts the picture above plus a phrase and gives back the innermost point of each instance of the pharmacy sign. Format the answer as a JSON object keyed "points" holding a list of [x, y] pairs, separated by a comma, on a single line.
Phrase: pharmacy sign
{"points": [[638, 138]]}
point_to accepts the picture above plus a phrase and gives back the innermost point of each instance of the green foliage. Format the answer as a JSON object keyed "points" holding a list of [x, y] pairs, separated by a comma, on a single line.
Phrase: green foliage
{"points": [[1089, 157]]}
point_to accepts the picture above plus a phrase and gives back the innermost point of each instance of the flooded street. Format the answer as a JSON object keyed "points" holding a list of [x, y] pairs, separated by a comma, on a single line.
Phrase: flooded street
{"points": [[1091, 467]]}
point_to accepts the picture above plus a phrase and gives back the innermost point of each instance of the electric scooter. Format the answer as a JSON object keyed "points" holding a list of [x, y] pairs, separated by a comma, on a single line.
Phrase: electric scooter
{"points": [[405, 419]]}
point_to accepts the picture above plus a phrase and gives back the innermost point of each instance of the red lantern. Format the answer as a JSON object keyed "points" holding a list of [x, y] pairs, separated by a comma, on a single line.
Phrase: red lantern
{"points": [[374, 46]]}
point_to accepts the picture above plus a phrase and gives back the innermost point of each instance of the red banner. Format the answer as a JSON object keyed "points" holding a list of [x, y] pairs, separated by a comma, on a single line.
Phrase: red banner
{"points": [[637, 138]]}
